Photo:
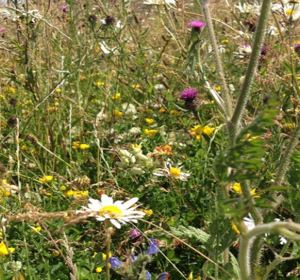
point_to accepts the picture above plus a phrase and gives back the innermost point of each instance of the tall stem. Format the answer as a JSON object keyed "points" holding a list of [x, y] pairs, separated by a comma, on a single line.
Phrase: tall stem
{"points": [[220, 70], [108, 240], [251, 70]]}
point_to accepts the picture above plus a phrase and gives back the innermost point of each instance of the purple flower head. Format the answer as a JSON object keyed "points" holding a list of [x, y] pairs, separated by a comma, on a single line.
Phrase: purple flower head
{"points": [[297, 48], [96, 6], [163, 276], [63, 7], [189, 94], [114, 262], [2, 29], [153, 247], [148, 275], [134, 233], [197, 24], [264, 50]]}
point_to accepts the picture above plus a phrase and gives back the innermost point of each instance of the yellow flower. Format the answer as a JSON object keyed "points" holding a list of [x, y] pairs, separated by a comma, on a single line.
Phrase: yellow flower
{"points": [[149, 121], [225, 41], [104, 256], [36, 229], [69, 193], [174, 113], [46, 179], [198, 130], [135, 86], [117, 97], [218, 88], [208, 130], [234, 227], [249, 139], [162, 110], [58, 90], [76, 145], [148, 212], [80, 194], [238, 190], [98, 269], [63, 188], [117, 113], [99, 83], [150, 132], [4, 251], [84, 146]]}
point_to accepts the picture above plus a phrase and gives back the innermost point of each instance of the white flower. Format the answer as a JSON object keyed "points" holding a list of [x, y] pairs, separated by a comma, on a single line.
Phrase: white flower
{"points": [[117, 212], [249, 9], [160, 2], [134, 130], [105, 49], [169, 171], [292, 11], [128, 109], [249, 223]]}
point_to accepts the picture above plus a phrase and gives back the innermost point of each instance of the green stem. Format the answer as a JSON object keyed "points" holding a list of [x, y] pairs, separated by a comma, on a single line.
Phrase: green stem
{"points": [[251, 70], [108, 240], [220, 70]]}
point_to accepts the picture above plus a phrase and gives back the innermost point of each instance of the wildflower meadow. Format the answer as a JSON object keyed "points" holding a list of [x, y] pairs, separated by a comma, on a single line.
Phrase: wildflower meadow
{"points": [[149, 139]]}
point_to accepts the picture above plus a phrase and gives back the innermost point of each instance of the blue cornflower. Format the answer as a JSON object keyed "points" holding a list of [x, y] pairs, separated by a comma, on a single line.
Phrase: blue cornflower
{"points": [[153, 248]]}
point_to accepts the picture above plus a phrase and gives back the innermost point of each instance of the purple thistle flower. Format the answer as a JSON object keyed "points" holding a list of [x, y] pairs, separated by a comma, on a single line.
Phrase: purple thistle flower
{"points": [[189, 94], [2, 29], [134, 233], [153, 247], [197, 25], [114, 262], [297, 48], [63, 7]]}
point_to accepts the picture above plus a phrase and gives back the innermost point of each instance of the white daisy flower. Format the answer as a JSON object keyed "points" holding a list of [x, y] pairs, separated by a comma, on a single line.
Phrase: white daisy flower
{"points": [[173, 172], [117, 212], [249, 223]]}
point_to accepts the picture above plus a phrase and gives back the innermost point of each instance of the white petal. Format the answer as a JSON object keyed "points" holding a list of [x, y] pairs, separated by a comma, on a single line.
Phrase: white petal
{"points": [[115, 223], [129, 203]]}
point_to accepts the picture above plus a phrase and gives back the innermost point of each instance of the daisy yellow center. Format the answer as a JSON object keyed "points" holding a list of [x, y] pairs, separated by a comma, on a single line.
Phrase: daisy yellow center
{"points": [[175, 172], [112, 211], [290, 12]]}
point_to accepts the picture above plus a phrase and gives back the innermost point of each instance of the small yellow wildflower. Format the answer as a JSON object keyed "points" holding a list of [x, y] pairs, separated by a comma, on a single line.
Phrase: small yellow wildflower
{"points": [[80, 194], [148, 212], [249, 139], [63, 188], [198, 130], [174, 113], [94, 100], [98, 269], [36, 229], [104, 256], [162, 110], [69, 193], [117, 97], [208, 130], [238, 190], [234, 227], [99, 83], [4, 251], [135, 86], [46, 179], [58, 90], [150, 132], [76, 145], [149, 121], [225, 41], [117, 113], [84, 146]]}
